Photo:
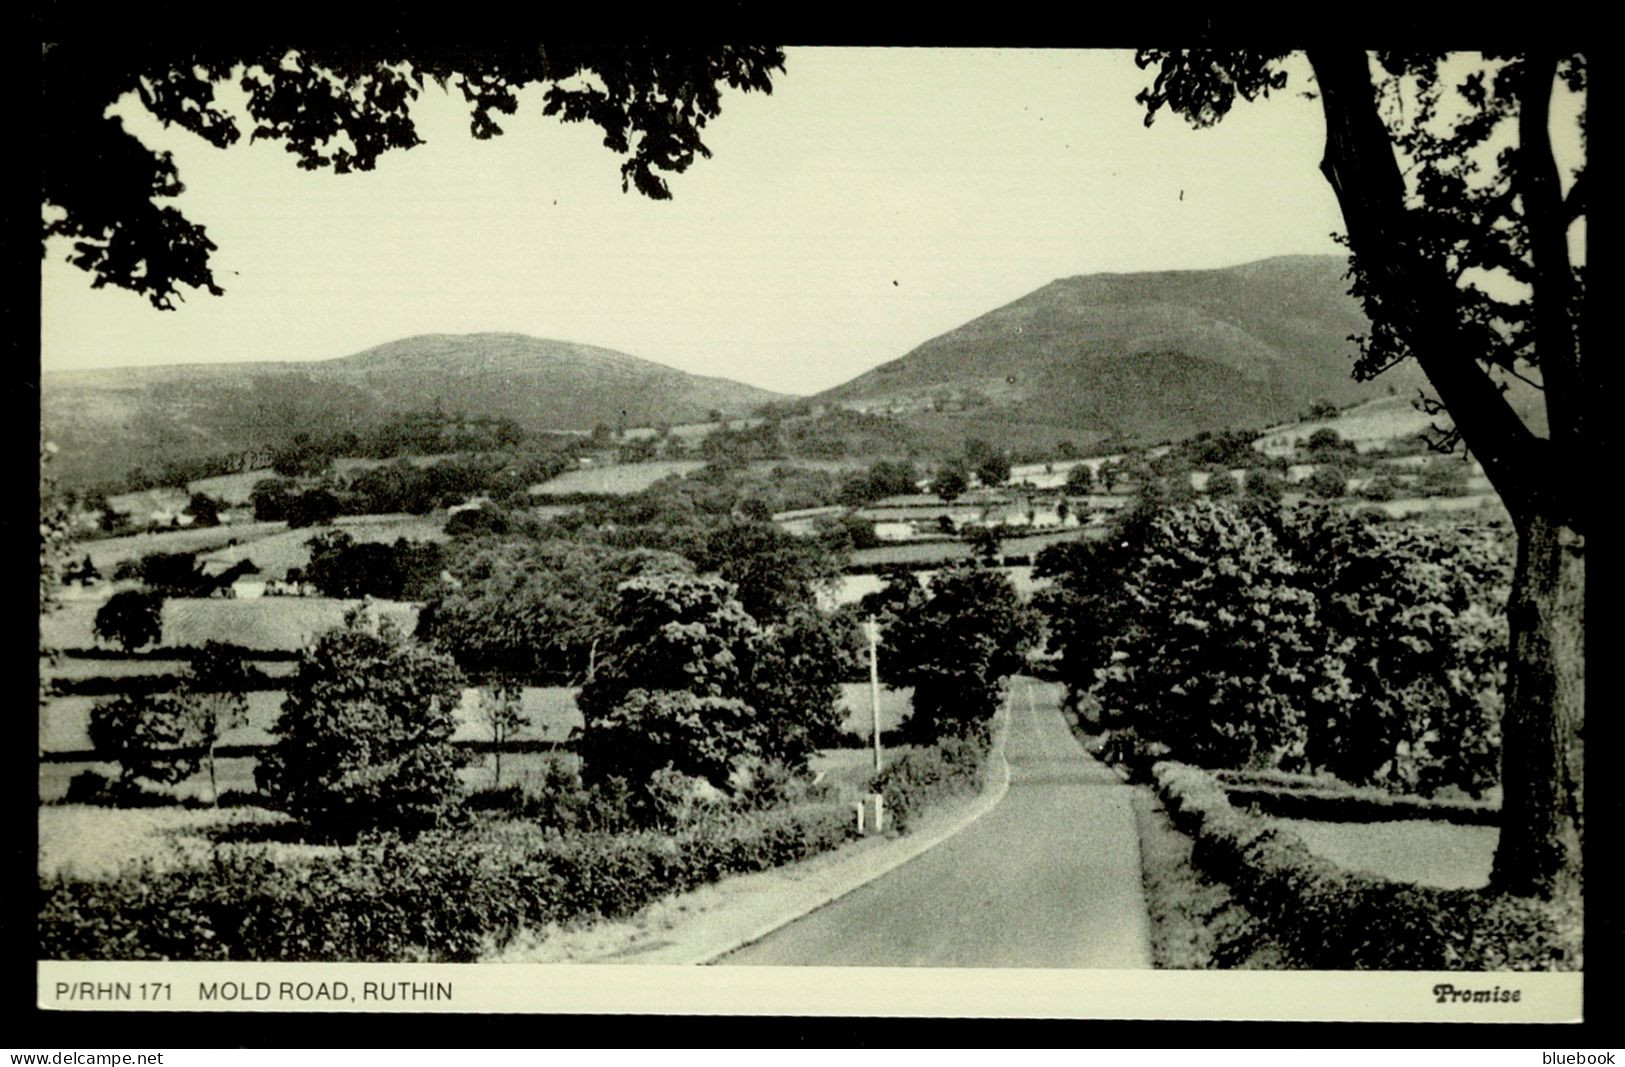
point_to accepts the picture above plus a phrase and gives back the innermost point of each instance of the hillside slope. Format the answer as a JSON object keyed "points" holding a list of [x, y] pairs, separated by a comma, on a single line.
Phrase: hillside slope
{"points": [[1142, 356], [107, 421]]}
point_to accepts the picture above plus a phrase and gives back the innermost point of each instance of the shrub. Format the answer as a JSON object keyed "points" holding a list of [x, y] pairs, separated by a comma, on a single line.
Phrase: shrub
{"points": [[364, 738], [132, 618], [921, 777], [150, 736]]}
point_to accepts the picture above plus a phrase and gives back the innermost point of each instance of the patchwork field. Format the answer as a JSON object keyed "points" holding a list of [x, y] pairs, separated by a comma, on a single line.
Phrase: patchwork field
{"points": [[268, 624], [232, 488], [1368, 425], [1440, 854], [945, 551], [620, 479], [108, 553], [276, 554]]}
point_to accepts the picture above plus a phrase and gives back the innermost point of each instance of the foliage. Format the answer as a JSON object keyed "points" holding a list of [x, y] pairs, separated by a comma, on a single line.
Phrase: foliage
{"points": [[773, 571], [54, 537], [955, 646], [795, 684], [335, 108], [131, 617], [314, 507], [916, 778], [1464, 255], [364, 737], [1421, 635], [204, 509], [991, 465], [501, 711], [672, 683], [1327, 482], [1233, 636], [150, 736], [340, 567], [537, 612], [1080, 480], [950, 484]]}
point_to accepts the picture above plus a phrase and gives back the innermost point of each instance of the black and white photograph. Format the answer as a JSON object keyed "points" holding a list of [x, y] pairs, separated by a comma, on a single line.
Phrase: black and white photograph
{"points": [[685, 515]]}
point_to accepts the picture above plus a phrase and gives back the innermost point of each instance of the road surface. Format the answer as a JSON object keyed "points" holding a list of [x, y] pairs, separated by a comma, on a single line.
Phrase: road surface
{"points": [[1048, 878]]}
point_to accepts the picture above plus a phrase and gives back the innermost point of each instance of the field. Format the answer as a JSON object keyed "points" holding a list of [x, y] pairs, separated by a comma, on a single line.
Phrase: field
{"points": [[894, 707], [276, 554], [269, 624], [620, 479], [1368, 425], [851, 588], [109, 552], [919, 552], [1414, 850], [551, 712], [232, 488]]}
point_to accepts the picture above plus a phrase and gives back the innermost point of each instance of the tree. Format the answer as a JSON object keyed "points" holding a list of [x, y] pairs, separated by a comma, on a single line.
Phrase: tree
{"points": [[955, 645], [147, 734], [314, 507], [204, 509], [132, 617], [671, 691], [539, 613], [54, 535], [990, 464], [950, 484], [214, 699], [1327, 482], [364, 737], [501, 709], [775, 572], [336, 108], [1080, 480], [1459, 227], [795, 684]]}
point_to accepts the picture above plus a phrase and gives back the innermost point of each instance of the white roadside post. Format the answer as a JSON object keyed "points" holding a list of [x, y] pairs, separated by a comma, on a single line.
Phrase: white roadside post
{"points": [[872, 629]]}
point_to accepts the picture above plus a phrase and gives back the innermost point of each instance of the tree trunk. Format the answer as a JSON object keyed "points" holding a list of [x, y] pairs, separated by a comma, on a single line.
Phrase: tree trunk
{"points": [[1541, 813], [1542, 746]]}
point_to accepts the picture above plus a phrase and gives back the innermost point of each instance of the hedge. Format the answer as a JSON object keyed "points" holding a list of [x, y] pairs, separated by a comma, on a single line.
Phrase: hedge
{"points": [[1324, 797], [440, 898], [1361, 805], [919, 778], [1328, 918]]}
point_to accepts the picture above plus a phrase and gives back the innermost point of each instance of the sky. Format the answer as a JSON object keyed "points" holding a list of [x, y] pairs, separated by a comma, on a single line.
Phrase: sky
{"points": [[875, 199]]}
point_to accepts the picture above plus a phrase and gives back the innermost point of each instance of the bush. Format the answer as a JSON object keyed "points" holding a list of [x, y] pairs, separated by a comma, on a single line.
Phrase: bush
{"points": [[1327, 918], [150, 736], [132, 618], [921, 777], [364, 738]]}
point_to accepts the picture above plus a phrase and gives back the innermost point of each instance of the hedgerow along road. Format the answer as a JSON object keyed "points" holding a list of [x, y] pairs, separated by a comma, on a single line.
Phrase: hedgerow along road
{"points": [[1049, 878]]}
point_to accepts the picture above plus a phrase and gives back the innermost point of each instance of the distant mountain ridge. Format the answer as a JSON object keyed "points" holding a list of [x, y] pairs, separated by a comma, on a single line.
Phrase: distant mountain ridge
{"points": [[1155, 355], [106, 421]]}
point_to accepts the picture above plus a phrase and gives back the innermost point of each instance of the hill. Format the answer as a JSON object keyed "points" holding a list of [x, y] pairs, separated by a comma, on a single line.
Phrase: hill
{"points": [[106, 421], [1139, 357]]}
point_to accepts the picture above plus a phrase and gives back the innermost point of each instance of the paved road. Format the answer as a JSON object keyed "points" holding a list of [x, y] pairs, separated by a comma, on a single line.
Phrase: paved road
{"points": [[1049, 878]]}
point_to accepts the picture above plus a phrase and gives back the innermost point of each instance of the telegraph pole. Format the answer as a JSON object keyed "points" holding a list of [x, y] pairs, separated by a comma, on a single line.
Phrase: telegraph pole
{"points": [[872, 629]]}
